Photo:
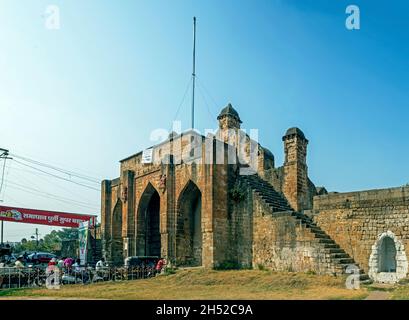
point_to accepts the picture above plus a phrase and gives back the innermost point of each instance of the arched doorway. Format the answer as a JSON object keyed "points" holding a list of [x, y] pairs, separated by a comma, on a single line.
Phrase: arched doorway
{"points": [[388, 262], [387, 255], [117, 241], [149, 223], [189, 227]]}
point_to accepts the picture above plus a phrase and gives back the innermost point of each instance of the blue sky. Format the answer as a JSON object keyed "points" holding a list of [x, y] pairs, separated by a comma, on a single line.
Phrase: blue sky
{"points": [[89, 94]]}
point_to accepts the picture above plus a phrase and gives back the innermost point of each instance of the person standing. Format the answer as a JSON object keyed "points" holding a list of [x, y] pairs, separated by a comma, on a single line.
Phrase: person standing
{"points": [[52, 262], [19, 264], [60, 263], [101, 265], [160, 265]]}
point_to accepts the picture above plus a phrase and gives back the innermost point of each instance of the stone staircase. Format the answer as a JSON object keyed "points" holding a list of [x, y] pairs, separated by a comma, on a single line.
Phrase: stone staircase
{"points": [[266, 192], [277, 203]]}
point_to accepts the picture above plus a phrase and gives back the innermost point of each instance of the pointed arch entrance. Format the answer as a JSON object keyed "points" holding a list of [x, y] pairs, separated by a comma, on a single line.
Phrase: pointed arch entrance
{"points": [[117, 241], [149, 222], [189, 227]]}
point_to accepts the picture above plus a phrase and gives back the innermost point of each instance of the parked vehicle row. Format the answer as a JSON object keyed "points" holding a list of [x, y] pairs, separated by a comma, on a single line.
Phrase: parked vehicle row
{"points": [[40, 258]]}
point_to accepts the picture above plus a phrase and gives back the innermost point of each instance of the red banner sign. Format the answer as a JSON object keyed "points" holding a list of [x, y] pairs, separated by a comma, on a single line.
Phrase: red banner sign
{"points": [[49, 218]]}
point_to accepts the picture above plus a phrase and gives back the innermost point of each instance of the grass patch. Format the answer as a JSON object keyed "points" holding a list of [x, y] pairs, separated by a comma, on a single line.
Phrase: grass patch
{"points": [[383, 289], [196, 284], [400, 293]]}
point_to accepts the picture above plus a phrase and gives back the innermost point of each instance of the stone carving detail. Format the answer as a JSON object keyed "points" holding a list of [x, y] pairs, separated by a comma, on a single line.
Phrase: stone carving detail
{"points": [[162, 183], [124, 195]]}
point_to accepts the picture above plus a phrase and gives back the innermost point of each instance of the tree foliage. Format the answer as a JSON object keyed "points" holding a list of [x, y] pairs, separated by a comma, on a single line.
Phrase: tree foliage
{"points": [[50, 243]]}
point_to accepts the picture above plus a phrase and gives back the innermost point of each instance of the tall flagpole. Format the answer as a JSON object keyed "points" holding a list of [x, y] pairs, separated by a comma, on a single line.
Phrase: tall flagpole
{"points": [[194, 72]]}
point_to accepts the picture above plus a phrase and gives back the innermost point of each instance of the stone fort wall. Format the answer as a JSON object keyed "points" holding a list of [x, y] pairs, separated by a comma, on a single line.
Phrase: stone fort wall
{"points": [[276, 241], [320, 233], [358, 220]]}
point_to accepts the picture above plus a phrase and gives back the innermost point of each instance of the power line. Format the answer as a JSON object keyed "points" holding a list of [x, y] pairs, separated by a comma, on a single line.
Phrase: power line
{"points": [[71, 202], [15, 201], [50, 194], [2, 175], [57, 177], [42, 177], [51, 197], [5, 184], [67, 172]]}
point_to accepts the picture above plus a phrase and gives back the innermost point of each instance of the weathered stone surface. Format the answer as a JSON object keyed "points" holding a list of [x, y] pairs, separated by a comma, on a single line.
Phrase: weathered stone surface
{"points": [[358, 221]]}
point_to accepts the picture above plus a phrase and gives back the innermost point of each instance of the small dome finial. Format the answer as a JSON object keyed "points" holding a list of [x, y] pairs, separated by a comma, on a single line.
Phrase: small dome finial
{"points": [[229, 111], [294, 131]]}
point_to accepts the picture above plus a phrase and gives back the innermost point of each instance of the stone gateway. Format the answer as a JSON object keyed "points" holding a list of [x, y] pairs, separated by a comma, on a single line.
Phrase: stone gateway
{"points": [[219, 201]]}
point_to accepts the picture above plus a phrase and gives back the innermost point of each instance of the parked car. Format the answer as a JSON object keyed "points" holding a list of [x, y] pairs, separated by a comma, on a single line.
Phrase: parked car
{"points": [[40, 257], [9, 260], [141, 261], [138, 267]]}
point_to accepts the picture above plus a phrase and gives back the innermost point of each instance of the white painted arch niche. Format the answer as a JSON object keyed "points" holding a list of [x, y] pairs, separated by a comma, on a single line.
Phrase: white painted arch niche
{"points": [[388, 262]]}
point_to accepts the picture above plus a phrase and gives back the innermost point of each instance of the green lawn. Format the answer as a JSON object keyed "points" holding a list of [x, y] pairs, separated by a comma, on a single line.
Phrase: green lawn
{"points": [[199, 284]]}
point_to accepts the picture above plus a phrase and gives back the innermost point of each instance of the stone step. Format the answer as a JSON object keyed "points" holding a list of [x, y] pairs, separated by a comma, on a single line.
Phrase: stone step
{"points": [[310, 222], [267, 193], [366, 282], [272, 200], [307, 223], [315, 229], [267, 188], [302, 216], [277, 209], [332, 245], [321, 236], [364, 277], [343, 266], [275, 199], [264, 189], [337, 255], [334, 250], [320, 232], [343, 261], [277, 202], [274, 205], [326, 241], [271, 196]]}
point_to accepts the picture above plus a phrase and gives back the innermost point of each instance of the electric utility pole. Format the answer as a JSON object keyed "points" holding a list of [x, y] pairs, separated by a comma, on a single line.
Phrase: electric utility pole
{"points": [[3, 155], [35, 236]]}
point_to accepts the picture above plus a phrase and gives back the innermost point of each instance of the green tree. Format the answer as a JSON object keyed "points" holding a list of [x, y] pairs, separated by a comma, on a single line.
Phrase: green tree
{"points": [[51, 242]]}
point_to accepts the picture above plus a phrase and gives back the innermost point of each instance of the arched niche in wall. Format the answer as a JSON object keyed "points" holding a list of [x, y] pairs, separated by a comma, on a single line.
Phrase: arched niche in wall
{"points": [[388, 262]]}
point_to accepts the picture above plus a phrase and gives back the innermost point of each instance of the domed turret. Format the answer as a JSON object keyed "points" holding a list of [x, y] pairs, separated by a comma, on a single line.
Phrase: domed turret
{"points": [[229, 118], [229, 111], [295, 186], [294, 131]]}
